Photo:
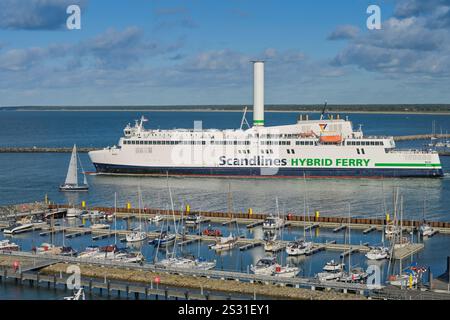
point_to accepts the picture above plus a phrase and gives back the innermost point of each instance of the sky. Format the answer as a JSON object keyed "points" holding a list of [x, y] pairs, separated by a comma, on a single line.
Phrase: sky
{"points": [[198, 52]]}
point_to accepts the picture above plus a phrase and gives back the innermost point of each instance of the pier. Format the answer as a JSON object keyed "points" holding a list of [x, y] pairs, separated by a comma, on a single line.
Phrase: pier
{"points": [[217, 280], [366, 224]]}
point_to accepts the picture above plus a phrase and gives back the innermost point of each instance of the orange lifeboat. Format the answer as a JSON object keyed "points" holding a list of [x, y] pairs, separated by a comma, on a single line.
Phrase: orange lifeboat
{"points": [[335, 138]]}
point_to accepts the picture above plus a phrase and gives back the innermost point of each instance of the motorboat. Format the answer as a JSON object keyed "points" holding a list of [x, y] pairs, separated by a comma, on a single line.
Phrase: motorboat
{"points": [[50, 249], [299, 247], [75, 212], [404, 280], [107, 252], [136, 236], [100, 226], [202, 264], [156, 218], [129, 257], [89, 252], [333, 266], [426, 230], [356, 275], [193, 219], [265, 266], [329, 276], [273, 223], [18, 228], [78, 295], [6, 245], [68, 252], [333, 271], [93, 214], [378, 253], [286, 271], [224, 243], [55, 214], [165, 239]]}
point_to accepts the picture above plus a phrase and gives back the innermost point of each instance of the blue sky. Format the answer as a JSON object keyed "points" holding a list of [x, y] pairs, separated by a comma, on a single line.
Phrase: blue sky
{"points": [[164, 52]]}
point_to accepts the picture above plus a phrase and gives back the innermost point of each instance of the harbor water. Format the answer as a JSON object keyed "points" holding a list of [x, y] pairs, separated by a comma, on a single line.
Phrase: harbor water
{"points": [[29, 177]]}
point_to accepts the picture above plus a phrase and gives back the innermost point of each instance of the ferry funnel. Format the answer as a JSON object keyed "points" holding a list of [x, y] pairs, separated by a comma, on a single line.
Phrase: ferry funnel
{"points": [[258, 93]]}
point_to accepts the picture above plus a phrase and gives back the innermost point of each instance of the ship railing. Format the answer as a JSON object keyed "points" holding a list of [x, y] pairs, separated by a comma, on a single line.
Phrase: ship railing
{"points": [[413, 151]]}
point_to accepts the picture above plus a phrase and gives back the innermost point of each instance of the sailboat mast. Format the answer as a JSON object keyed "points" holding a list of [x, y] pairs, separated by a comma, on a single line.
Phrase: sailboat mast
{"points": [[115, 218], [349, 240]]}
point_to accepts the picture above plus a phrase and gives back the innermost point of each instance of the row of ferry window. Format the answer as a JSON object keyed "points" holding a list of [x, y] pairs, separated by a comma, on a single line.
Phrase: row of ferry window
{"points": [[364, 143], [163, 142]]}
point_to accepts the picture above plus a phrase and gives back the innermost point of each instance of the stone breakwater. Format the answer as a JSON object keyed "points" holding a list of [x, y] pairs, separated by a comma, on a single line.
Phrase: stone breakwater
{"points": [[182, 281]]}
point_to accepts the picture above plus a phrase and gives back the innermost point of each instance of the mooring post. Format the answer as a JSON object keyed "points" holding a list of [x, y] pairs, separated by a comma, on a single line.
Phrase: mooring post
{"points": [[207, 295], [186, 294], [136, 295], [146, 292], [54, 281], [90, 286], [166, 293], [109, 288], [127, 288]]}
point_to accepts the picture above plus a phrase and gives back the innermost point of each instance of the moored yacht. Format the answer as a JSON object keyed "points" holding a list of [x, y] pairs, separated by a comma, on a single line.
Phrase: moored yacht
{"points": [[273, 223], [378, 253], [225, 243], [265, 266], [18, 228], [6, 245], [299, 247]]}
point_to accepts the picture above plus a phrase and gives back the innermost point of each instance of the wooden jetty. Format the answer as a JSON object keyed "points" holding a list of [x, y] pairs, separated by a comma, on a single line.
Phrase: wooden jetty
{"points": [[340, 228], [252, 243], [296, 220], [250, 246], [230, 222], [370, 229], [407, 250], [206, 275], [312, 226], [255, 224]]}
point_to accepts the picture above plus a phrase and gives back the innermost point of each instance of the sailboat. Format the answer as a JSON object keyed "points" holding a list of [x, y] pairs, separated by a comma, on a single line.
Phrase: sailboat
{"points": [[137, 235], [273, 222], [71, 183]]}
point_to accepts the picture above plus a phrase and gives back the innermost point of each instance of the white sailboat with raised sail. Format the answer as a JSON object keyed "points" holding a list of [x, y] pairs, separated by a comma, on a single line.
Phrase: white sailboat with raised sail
{"points": [[71, 183]]}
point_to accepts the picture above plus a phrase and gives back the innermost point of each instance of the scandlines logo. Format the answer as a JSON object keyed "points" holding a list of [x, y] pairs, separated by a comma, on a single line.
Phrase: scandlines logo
{"points": [[254, 161]]}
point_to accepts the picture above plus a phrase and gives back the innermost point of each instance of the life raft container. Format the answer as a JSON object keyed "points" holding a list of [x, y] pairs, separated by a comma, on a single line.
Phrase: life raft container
{"points": [[335, 138]]}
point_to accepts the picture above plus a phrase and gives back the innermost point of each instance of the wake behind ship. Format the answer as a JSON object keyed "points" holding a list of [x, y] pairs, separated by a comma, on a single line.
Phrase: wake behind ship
{"points": [[312, 148]]}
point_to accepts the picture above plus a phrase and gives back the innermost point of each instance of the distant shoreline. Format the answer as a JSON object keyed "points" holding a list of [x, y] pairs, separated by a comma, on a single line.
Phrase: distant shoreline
{"points": [[238, 111]]}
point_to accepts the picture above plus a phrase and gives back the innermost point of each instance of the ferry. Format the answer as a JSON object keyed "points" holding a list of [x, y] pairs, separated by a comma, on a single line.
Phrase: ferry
{"points": [[325, 147]]}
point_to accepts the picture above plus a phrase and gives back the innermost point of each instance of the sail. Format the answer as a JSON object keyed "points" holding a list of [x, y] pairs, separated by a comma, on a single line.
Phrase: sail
{"points": [[72, 176]]}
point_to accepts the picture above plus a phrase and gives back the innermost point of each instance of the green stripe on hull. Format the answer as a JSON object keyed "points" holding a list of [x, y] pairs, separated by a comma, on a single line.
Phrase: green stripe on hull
{"points": [[424, 165], [255, 122]]}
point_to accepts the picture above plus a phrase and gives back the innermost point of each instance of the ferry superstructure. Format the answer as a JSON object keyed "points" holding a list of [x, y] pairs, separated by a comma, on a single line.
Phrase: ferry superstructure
{"points": [[313, 148]]}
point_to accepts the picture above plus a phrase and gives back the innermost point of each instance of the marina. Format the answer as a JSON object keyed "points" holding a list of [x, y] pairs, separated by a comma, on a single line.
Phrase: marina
{"points": [[246, 243]]}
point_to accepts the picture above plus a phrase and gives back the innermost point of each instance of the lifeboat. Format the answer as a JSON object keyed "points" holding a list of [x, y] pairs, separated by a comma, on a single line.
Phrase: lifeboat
{"points": [[331, 138]]}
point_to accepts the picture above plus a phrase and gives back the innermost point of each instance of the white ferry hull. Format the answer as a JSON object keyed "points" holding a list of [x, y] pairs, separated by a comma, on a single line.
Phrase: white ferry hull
{"points": [[258, 172], [312, 148]]}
